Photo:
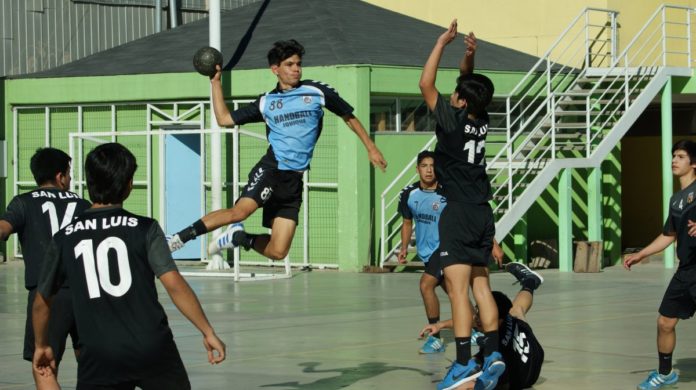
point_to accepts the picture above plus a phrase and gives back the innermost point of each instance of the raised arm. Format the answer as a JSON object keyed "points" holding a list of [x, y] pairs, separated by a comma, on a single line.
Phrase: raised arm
{"points": [[186, 301], [659, 244], [373, 152], [466, 65], [427, 80], [222, 113]]}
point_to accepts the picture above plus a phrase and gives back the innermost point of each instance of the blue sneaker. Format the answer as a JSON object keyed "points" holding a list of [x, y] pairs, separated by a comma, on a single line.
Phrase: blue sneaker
{"points": [[433, 345], [493, 368], [475, 334], [224, 240], [459, 374], [656, 380]]}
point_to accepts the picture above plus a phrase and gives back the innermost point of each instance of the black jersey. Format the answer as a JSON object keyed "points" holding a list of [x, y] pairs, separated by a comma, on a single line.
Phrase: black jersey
{"points": [[681, 210], [461, 154], [110, 258], [36, 216], [522, 353]]}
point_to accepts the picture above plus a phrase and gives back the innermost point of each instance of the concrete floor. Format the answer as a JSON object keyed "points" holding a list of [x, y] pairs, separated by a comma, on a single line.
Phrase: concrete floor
{"points": [[330, 330]]}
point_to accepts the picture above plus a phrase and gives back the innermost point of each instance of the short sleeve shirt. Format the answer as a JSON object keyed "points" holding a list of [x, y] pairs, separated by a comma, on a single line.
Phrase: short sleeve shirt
{"points": [[682, 208], [110, 258], [36, 216], [294, 120], [461, 154], [424, 207]]}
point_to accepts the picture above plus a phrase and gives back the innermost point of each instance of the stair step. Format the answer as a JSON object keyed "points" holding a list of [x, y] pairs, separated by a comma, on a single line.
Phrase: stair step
{"points": [[608, 79], [395, 263], [573, 102], [583, 112]]}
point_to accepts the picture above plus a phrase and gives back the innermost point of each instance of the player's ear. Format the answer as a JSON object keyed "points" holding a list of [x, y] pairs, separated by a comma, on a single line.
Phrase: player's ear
{"points": [[61, 180], [274, 69]]}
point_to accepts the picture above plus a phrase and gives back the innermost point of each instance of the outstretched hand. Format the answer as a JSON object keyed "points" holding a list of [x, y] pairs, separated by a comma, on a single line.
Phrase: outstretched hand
{"points": [[429, 329], [377, 159], [631, 259], [449, 35], [471, 44]]}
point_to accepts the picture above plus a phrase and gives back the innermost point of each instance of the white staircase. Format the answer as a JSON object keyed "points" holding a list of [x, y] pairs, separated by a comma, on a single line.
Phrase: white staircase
{"points": [[570, 110]]}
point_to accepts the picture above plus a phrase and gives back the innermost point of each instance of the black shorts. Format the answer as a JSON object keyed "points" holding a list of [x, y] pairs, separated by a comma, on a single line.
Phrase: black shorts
{"points": [[168, 373], [523, 356], [61, 323], [466, 234], [278, 192], [434, 268], [679, 300]]}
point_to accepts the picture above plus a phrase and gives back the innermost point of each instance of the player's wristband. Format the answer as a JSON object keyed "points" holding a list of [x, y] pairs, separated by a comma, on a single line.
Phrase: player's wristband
{"points": [[193, 231]]}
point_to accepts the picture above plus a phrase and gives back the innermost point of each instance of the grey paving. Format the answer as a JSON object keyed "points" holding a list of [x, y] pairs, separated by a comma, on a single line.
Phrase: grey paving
{"points": [[329, 330]]}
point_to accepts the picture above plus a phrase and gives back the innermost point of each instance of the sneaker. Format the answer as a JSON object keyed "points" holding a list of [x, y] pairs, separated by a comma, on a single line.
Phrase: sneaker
{"points": [[433, 345], [458, 374], [174, 243], [224, 240], [656, 380], [493, 368], [475, 334], [522, 273]]}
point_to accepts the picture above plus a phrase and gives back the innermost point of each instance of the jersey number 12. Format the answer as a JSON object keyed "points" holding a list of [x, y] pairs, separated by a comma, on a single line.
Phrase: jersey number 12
{"points": [[474, 151]]}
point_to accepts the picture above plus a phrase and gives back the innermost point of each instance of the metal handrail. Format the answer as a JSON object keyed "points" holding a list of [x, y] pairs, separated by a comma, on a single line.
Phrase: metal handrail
{"points": [[532, 127]]}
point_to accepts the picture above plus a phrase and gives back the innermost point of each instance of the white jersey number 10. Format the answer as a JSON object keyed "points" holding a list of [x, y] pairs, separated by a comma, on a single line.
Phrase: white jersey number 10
{"points": [[85, 248]]}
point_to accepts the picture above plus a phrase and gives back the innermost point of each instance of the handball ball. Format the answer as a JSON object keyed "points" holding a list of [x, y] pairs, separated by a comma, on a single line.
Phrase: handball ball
{"points": [[205, 60]]}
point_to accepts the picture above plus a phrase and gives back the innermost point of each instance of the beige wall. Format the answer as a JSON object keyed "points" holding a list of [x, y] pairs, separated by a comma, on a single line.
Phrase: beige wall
{"points": [[530, 26]]}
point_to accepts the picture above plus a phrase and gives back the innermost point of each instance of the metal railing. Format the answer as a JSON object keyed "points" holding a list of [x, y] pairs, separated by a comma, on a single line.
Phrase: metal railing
{"points": [[575, 103]]}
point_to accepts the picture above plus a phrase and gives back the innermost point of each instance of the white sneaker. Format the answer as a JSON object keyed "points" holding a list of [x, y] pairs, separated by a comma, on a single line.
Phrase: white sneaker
{"points": [[224, 240], [175, 243]]}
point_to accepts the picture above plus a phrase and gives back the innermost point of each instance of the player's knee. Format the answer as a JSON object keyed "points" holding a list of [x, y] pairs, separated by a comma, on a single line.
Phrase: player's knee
{"points": [[236, 214], [666, 324], [517, 312], [427, 285], [277, 254]]}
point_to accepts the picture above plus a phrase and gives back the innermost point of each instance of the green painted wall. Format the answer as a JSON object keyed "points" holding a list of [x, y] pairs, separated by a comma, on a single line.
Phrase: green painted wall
{"points": [[345, 221]]}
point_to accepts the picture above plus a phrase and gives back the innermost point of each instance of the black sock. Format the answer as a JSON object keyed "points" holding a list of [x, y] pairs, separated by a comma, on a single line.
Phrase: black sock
{"points": [[434, 320], [665, 363], [463, 349], [490, 343], [529, 285], [244, 239], [196, 229]]}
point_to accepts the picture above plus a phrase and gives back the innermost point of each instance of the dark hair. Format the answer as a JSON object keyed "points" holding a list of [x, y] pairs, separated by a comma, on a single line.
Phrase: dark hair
{"points": [[503, 302], [282, 50], [46, 163], [425, 154], [688, 146], [477, 90], [109, 169]]}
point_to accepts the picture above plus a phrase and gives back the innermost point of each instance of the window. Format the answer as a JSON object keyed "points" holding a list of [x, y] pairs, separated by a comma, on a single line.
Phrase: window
{"points": [[410, 114], [400, 114]]}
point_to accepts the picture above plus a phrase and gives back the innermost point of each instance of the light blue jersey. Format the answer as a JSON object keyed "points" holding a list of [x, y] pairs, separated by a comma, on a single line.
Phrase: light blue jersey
{"points": [[424, 208], [294, 120]]}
